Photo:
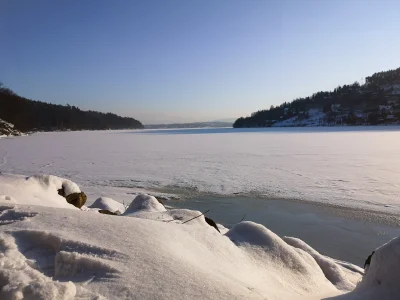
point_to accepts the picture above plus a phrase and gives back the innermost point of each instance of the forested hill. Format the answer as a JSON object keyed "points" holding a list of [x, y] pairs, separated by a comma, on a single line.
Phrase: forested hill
{"points": [[373, 103], [29, 115]]}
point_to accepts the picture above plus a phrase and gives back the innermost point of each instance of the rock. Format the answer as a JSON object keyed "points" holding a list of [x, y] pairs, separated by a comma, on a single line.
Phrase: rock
{"points": [[368, 261], [211, 223], [77, 199], [107, 212], [61, 192], [8, 129]]}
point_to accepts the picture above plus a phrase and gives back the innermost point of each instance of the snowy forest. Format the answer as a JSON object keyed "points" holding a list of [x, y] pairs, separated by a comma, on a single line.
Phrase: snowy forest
{"points": [[30, 115], [372, 103]]}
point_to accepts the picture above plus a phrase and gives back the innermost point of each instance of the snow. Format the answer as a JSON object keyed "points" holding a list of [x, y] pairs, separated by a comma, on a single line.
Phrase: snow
{"points": [[108, 204], [356, 167], [61, 254], [149, 252], [314, 119], [144, 203], [333, 272], [381, 280], [36, 190]]}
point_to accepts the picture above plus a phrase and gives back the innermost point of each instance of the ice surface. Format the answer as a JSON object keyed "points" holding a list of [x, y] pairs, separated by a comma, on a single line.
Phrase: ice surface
{"points": [[355, 167]]}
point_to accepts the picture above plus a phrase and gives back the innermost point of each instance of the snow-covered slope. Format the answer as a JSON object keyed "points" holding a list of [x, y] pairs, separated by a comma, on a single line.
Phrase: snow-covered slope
{"points": [[7, 129], [48, 252], [315, 118]]}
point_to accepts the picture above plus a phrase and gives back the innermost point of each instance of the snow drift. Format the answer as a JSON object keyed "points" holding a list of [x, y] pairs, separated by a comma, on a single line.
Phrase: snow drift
{"points": [[49, 252], [36, 190]]}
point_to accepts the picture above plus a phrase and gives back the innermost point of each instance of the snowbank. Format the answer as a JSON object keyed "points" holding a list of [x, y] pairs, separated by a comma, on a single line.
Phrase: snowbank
{"points": [[36, 190], [381, 280], [48, 252], [148, 259], [108, 204], [332, 271]]}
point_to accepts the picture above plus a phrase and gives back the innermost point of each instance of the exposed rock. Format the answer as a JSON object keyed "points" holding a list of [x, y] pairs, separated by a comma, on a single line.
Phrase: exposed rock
{"points": [[8, 129], [61, 192], [211, 223], [107, 212], [77, 199]]}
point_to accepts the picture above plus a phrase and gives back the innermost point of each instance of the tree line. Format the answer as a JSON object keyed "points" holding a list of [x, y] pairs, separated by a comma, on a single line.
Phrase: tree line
{"points": [[30, 115], [353, 96]]}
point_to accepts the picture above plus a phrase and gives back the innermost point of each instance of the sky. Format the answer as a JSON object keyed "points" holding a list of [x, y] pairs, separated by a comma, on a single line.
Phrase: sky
{"points": [[163, 61]]}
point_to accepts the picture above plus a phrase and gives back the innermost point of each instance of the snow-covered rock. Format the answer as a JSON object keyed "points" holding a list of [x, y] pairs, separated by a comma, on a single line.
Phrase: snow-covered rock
{"points": [[144, 203], [7, 129], [108, 204], [381, 280], [36, 190]]}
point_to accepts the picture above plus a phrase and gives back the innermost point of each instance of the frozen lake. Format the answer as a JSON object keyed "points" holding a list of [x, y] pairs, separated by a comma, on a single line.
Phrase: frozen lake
{"points": [[335, 188], [351, 167]]}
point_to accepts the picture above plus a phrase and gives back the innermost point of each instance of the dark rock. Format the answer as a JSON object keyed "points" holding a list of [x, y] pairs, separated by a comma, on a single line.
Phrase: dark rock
{"points": [[368, 260], [61, 192], [77, 199], [107, 212], [211, 223]]}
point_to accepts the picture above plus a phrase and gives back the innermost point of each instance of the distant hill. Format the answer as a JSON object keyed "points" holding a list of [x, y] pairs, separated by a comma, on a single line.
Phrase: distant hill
{"points": [[373, 103], [213, 124], [30, 115]]}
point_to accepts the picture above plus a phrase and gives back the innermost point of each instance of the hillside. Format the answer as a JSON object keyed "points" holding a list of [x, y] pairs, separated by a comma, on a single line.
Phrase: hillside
{"points": [[373, 103], [30, 115]]}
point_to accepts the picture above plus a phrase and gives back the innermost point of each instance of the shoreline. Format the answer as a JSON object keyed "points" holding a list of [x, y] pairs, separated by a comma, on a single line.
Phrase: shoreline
{"points": [[335, 232]]}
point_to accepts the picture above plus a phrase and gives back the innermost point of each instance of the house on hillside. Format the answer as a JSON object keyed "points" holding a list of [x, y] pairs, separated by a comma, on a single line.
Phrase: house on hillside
{"points": [[336, 108], [385, 109]]}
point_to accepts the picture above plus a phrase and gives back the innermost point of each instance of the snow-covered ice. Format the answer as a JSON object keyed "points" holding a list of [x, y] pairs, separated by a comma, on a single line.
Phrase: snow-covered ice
{"points": [[51, 250], [352, 167]]}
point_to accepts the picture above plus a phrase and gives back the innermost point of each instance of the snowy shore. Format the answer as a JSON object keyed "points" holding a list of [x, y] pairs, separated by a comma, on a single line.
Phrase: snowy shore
{"points": [[50, 249]]}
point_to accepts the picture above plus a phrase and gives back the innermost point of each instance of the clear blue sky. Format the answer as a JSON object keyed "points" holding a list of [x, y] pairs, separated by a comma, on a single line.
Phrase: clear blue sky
{"points": [[191, 60]]}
